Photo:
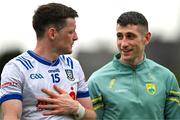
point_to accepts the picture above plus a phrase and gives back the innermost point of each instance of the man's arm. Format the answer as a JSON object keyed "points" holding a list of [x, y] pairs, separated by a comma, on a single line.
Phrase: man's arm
{"points": [[63, 104], [89, 112], [11, 109], [96, 97], [172, 106]]}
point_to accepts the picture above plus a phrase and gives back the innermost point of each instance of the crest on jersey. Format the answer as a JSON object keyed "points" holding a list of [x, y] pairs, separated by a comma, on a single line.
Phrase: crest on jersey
{"points": [[151, 88], [69, 74]]}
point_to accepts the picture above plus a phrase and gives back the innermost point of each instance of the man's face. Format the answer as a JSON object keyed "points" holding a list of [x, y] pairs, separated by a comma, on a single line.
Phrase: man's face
{"points": [[131, 43], [65, 37]]}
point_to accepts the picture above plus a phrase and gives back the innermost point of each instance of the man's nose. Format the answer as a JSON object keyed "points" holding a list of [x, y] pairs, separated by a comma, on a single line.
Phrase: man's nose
{"points": [[75, 37], [124, 42]]}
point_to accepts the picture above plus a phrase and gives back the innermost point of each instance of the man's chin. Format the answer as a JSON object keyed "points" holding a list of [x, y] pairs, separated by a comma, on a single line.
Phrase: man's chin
{"points": [[126, 58]]}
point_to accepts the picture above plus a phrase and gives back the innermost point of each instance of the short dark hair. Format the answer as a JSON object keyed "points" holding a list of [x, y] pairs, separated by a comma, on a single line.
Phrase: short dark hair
{"points": [[133, 18], [51, 14]]}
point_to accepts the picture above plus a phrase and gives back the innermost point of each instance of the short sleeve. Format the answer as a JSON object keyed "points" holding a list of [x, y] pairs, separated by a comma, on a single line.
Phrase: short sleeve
{"points": [[82, 90], [11, 83]]}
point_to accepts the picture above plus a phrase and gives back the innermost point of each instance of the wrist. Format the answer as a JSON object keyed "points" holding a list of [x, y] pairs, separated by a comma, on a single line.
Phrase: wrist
{"points": [[80, 112]]}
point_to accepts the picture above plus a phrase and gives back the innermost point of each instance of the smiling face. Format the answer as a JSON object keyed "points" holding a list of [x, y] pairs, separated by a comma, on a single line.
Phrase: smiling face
{"points": [[65, 37], [131, 43]]}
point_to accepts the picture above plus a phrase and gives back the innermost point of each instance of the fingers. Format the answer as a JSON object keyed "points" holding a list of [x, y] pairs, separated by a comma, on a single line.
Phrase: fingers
{"points": [[45, 103], [50, 93], [46, 100], [48, 107], [59, 90], [52, 109], [54, 103], [52, 112]]}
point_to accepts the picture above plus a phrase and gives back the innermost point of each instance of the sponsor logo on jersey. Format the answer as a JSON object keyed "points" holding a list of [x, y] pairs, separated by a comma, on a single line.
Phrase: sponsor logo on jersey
{"points": [[6, 84], [36, 76], [151, 88], [53, 71], [69, 74], [111, 83], [121, 91]]}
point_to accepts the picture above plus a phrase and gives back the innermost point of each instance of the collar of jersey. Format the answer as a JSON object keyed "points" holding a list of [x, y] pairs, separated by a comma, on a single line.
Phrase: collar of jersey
{"points": [[43, 60], [122, 66]]}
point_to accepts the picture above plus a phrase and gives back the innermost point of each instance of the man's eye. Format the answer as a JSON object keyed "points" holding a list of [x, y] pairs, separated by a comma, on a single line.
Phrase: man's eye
{"points": [[119, 36], [71, 32], [130, 36]]}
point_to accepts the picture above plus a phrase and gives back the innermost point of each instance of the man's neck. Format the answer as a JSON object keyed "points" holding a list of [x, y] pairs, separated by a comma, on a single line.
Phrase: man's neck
{"points": [[134, 62], [46, 52]]}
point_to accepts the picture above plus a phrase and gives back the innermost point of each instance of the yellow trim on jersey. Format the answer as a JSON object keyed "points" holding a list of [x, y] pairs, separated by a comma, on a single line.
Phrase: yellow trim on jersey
{"points": [[97, 99], [98, 106], [174, 92], [174, 99]]}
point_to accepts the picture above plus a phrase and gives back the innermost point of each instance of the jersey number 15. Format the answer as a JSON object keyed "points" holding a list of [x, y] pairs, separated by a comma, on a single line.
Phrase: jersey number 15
{"points": [[55, 78]]}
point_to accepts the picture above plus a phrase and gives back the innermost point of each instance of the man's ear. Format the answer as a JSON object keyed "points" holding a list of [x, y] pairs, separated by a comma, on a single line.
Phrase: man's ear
{"points": [[147, 38], [51, 32]]}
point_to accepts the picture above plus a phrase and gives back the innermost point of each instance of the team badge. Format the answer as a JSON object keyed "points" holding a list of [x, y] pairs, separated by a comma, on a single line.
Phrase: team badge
{"points": [[69, 74], [151, 88]]}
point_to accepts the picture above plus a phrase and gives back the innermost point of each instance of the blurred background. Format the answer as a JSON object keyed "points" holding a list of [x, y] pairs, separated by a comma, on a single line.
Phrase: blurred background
{"points": [[96, 29]]}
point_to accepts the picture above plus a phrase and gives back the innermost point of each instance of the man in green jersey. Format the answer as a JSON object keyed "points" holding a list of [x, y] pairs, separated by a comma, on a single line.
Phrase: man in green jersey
{"points": [[132, 86]]}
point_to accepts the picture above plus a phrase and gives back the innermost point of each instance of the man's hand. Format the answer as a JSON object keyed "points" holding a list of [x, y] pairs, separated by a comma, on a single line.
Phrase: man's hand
{"points": [[58, 103]]}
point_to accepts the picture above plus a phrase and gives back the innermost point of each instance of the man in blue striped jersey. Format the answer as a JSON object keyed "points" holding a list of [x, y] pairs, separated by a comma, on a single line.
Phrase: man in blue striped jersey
{"points": [[26, 78]]}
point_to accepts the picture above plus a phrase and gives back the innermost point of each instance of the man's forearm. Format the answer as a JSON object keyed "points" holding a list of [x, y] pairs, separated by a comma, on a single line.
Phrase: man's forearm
{"points": [[11, 110], [89, 115], [8, 117], [84, 113]]}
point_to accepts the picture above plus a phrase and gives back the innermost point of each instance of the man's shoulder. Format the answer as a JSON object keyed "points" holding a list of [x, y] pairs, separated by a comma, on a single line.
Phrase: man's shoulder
{"points": [[15, 64], [105, 67], [15, 59], [154, 65], [103, 71], [24, 62], [68, 58], [23, 59], [69, 61]]}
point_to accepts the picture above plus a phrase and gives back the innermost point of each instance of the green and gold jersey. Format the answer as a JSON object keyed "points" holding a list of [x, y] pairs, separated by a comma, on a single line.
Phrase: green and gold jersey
{"points": [[148, 91]]}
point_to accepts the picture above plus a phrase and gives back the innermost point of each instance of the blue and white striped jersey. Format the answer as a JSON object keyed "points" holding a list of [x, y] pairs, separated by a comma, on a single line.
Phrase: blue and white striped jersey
{"points": [[24, 76]]}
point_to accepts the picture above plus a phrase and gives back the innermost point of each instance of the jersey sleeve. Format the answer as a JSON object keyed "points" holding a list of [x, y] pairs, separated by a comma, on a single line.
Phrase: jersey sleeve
{"points": [[172, 107], [11, 84], [82, 88], [96, 97]]}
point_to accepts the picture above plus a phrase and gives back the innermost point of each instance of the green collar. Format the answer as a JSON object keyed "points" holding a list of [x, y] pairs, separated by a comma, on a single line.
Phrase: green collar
{"points": [[122, 66]]}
